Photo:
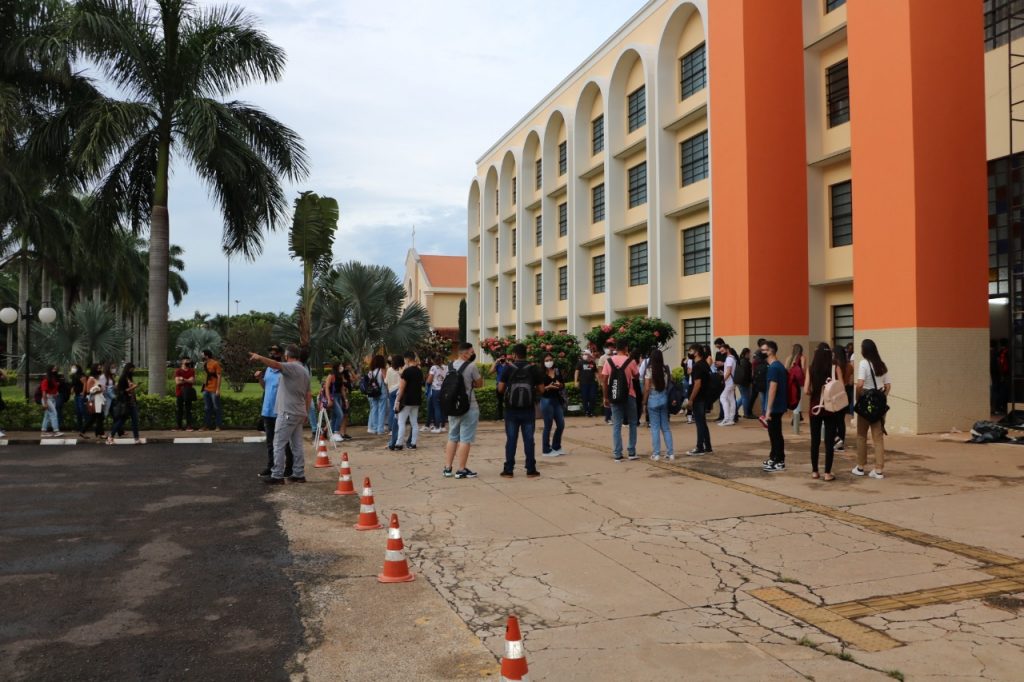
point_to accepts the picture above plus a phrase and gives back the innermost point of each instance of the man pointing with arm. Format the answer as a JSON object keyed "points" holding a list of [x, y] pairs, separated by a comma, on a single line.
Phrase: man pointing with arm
{"points": [[292, 405]]}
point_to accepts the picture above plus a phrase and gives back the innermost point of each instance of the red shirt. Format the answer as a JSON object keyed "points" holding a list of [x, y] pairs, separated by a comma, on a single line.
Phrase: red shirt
{"points": [[184, 374], [49, 388]]}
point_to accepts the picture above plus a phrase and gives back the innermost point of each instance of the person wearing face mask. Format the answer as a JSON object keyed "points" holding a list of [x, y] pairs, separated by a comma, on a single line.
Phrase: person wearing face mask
{"points": [[78, 379], [586, 379], [127, 407], [552, 408], [600, 371]]}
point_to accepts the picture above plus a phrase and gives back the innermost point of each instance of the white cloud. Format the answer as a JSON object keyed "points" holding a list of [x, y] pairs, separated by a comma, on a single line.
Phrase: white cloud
{"points": [[395, 102]]}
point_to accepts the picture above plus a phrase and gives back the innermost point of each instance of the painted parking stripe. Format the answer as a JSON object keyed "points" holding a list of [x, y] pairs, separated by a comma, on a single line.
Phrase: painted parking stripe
{"points": [[58, 441], [254, 439]]}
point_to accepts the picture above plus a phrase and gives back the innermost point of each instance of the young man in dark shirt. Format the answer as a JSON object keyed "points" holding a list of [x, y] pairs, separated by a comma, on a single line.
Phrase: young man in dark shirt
{"points": [[407, 401], [586, 379], [699, 379], [520, 419], [775, 402]]}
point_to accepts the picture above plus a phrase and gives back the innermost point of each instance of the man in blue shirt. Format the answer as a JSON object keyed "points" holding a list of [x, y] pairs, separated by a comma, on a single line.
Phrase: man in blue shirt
{"points": [[776, 405], [270, 379]]}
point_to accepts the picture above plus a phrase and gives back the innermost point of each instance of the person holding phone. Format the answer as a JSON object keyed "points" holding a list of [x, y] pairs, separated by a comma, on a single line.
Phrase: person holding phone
{"points": [[552, 408]]}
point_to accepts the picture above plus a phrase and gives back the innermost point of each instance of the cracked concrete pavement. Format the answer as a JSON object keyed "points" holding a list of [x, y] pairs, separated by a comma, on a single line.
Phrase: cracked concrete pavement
{"points": [[629, 571]]}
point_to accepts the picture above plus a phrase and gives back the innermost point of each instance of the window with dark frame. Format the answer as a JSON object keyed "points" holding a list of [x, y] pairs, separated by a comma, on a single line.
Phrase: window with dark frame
{"points": [[837, 89], [538, 181], [998, 21], [597, 135], [636, 116], [693, 72], [697, 250], [537, 287], [513, 294], [514, 197], [497, 202], [598, 274], [540, 230], [513, 242], [497, 299], [597, 202], [693, 155], [841, 213], [638, 185], [563, 282], [497, 243], [638, 264], [563, 157], [696, 330], [563, 220], [842, 324], [833, 4]]}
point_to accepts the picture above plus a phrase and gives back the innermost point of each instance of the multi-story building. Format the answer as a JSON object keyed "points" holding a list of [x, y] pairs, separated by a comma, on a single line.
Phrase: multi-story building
{"points": [[438, 283], [802, 170]]}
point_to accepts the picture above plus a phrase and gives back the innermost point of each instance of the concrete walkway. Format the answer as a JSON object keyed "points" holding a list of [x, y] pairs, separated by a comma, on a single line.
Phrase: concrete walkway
{"points": [[705, 568]]}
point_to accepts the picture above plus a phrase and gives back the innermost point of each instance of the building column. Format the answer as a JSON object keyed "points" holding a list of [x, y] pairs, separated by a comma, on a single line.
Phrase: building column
{"points": [[758, 172], [919, 205]]}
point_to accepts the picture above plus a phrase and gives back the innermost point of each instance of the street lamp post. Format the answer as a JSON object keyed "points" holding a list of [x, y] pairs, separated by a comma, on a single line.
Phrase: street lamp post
{"points": [[9, 315]]}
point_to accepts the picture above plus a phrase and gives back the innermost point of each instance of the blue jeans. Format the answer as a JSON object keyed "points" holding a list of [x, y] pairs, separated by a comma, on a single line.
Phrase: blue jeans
{"points": [[378, 414], [214, 414], [588, 394], [700, 418], [659, 428], [625, 412], [338, 414], [744, 402], [551, 410], [393, 418], [435, 414], [516, 420], [50, 415], [81, 413]]}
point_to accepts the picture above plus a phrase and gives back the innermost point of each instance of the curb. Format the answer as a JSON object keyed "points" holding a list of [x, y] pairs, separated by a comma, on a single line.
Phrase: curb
{"points": [[207, 440]]}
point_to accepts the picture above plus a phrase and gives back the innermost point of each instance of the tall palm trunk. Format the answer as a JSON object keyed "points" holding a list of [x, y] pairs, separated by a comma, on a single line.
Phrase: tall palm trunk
{"points": [[159, 245], [306, 312]]}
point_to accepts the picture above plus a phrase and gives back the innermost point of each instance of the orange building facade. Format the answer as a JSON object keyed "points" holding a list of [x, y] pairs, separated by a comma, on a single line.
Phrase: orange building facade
{"points": [[801, 170]]}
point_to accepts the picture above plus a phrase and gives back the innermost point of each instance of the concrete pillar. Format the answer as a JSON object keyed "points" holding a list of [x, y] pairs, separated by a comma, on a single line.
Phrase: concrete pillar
{"points": [[919, 205]]}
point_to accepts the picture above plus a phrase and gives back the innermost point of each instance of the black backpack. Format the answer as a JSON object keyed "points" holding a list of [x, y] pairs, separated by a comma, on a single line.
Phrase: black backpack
{"points": [[716, 384], [370, 385], [676, 397], [454, 397], [872, 404], [761, 373], [519, 386], [618, 384], [741, 375]]}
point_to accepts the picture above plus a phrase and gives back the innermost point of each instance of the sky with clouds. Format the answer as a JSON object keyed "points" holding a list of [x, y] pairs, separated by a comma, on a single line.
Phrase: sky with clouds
{"points": [[395, 102]]}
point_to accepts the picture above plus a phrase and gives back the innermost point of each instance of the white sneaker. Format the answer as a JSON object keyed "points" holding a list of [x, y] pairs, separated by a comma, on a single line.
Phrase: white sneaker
{"points": [[671, 458], [336, 437], [553, 453], [857, 471], [876, 474], [727, 423], [689, 420], [3, 434], [655, 457]]}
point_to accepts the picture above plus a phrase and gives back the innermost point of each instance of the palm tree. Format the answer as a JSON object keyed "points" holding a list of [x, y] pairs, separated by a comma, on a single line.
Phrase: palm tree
{"points": [[311, 240], [91, 333], [192, 343], [174, 60]]}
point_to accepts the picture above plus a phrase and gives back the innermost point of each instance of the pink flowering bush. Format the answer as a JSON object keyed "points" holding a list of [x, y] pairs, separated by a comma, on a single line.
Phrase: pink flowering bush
{"points": [[641, 333]]}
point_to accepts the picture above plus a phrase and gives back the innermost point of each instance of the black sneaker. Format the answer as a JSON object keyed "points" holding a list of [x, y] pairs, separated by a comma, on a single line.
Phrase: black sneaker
{"points": [[696, 451], [395, 448], [287, 473], [506, 474], [273, 481], [264, 474], [532, 474], [633, 457], [346, 437], [465, 473], [410, 447], [617, 459], [296, 479], [775, 467], [447, 472]]}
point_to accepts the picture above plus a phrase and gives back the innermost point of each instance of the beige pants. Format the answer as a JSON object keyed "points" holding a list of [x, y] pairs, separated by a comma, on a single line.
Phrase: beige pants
{"points": [[862, 443]]}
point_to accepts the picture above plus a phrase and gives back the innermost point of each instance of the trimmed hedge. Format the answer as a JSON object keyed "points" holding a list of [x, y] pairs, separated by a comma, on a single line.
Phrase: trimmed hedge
{"points": [[158, 413]]}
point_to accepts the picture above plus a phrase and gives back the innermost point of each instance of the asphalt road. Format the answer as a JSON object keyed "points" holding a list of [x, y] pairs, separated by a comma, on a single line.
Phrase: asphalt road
{"points": [[154, 562]]}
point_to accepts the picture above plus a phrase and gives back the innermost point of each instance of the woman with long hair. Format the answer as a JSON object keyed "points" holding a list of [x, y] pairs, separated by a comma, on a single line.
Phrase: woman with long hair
{"points": [[822, 369], [392, 379], [438, 371], [378, 403], [127, 406], [97, 396], [49, 388], [346, 393], [330, 397], [872, 374], [796, 365], [743, 376], [552, 408], [845, 369], [656, 380]]}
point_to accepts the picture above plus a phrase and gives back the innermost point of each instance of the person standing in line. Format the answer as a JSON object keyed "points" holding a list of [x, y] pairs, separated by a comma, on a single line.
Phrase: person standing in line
{"points": [[759, 379], [184, 394], [270, 379], [376, 393], [63, 396], [845, 370], [721, 352], [823, 368], [552, 407], [796, 365], [656, 381], [332, 393], [728, 397], [109, 383], [407, 403], [49, 388], [78, 381], [292, 406], [127, 405], [776, 404], [586, 380], [741, 377], [462, 428], [346, 399], [621, 368], [700, 378], [392, 378], [435, 378], [521, 386], [501, 366], [872, 374], [94, 391], [601, 362], [213, 412], [851, 360]]}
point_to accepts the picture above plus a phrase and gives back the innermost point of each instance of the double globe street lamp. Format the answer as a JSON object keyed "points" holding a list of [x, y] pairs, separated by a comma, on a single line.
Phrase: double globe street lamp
{"points": [[8, 315]]}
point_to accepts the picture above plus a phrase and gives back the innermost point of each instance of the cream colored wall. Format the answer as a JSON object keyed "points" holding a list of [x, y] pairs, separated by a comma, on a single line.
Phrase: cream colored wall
{"points": [[817, 23], [691, 286], [827, 263], [444, 311], [997, 117], [833, 140]]}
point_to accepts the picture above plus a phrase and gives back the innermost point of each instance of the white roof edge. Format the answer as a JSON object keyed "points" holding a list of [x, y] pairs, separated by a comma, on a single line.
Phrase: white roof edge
{"points": [[558, 89]]}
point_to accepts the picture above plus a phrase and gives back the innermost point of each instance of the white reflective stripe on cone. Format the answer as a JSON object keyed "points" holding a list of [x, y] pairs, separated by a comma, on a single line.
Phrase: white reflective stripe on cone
{"points": [[394, 534], [514, 649], [366, 509], [393, 555], [367, 492], [524, 678], [346, 477]]}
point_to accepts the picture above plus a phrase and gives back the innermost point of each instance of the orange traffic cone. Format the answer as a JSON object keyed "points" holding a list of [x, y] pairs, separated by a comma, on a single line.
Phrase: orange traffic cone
{"points": [[345, 478], [322, 460], [367, 514], [513, 664], [396, 568]]}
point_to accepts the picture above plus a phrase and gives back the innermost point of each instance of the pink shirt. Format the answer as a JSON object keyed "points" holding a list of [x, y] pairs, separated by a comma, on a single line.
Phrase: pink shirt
{"points": [[632, 372]]}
